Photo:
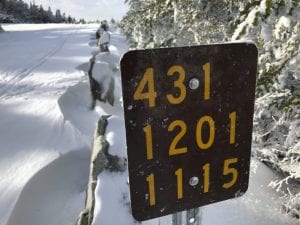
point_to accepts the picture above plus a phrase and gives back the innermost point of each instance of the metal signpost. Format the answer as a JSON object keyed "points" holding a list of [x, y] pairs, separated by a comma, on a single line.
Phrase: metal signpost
{"points": [[190, 217], [188, 116]]}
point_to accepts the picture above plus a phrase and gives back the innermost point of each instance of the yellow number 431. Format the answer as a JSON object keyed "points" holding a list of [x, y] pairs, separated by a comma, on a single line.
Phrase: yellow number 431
{"points": [[146, 90]]}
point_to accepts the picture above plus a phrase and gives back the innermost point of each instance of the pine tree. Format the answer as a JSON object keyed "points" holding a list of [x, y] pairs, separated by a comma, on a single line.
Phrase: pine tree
{"points": [[275, 27], [185, 22], [34, 11], [58, 16], [3, 5], [69, 19], [20, 11], [113, 21], [82, 21], [50, 17]]}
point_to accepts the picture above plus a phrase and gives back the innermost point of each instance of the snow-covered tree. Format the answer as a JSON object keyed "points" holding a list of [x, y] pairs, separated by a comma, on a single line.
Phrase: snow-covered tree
{"points": [[274, 25], [175, 23]]}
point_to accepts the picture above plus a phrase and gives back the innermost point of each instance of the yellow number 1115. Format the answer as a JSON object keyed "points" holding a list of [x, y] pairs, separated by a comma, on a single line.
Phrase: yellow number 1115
{"points": [[228, 171]]}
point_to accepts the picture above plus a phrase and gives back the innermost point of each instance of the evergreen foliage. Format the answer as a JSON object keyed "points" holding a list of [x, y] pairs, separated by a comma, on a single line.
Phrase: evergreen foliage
{"points": [[274, 25], [14, 11], [169, 23]]}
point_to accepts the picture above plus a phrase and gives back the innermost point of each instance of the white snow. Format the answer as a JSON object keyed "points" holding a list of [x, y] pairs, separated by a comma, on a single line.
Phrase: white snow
{"points": [[260, 205], [282, 23], [42, 123], [266, 32], [46, 132], [263, 6]]}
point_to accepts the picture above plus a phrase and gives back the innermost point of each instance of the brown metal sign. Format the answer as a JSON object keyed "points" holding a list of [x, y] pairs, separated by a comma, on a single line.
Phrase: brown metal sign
{"points": [[188, 115]]}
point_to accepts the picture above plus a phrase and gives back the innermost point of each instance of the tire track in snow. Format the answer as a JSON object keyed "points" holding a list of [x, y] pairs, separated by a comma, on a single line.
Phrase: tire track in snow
{"points": [[54, 137], [24, 73], [39, 203]]}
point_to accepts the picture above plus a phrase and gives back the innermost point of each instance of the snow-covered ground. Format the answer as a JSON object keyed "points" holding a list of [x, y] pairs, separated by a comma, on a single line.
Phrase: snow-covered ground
{"points": [[46, 131], [45, 139]]}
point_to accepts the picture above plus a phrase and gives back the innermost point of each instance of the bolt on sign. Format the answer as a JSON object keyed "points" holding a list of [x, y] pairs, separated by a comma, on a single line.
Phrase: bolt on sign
{"points": [[188, 116]]}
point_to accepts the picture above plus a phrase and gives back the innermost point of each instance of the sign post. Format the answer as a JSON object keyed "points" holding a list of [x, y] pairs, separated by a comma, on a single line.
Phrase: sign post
{"points": [[177, 218], [188, 116], [193, 217], [189, 217]]}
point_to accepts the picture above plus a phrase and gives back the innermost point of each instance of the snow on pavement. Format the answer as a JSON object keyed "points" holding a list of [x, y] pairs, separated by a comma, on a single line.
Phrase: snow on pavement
{"points": [[46, 197], [38, 63]]}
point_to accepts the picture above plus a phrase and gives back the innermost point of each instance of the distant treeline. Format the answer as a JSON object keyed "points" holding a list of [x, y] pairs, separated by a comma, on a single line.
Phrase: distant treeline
{"points": [[14, 11]]}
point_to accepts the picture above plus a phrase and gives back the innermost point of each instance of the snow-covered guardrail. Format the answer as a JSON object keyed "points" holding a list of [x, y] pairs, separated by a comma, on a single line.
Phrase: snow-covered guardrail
{"points": [[100, 160], [100, 77]]}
